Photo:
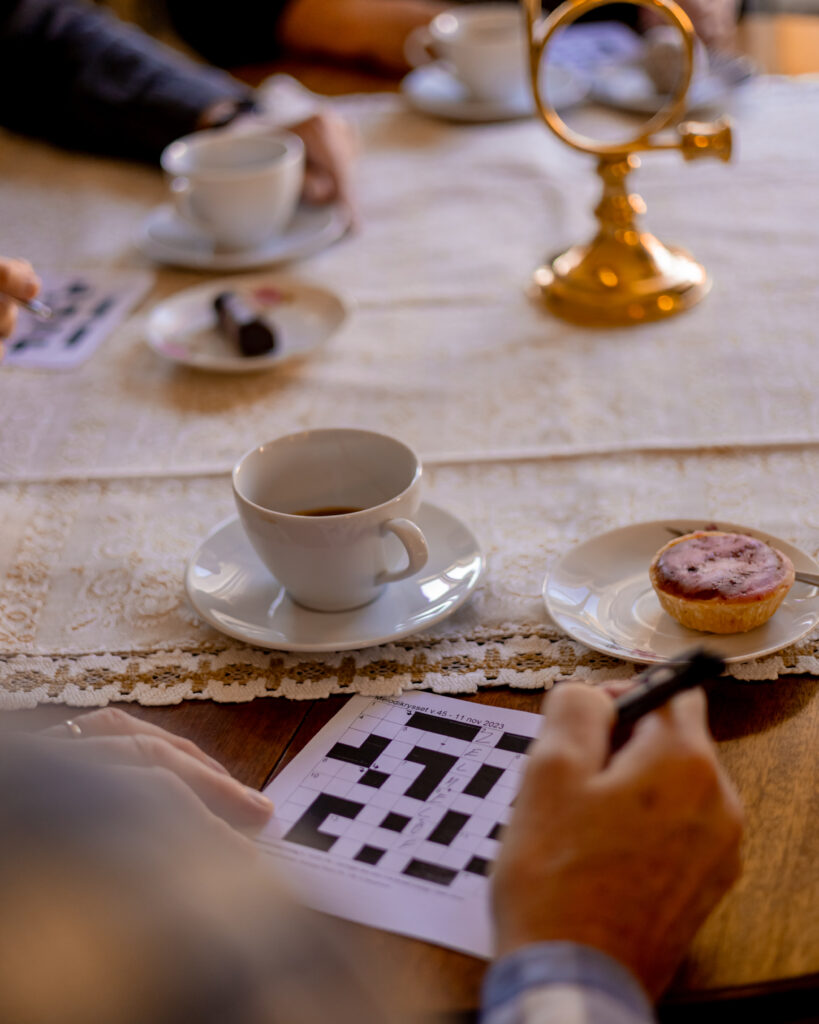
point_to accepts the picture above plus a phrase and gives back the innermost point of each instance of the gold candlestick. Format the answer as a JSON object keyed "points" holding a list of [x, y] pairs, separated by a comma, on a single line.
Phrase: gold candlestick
{"points": [[625, 275]]}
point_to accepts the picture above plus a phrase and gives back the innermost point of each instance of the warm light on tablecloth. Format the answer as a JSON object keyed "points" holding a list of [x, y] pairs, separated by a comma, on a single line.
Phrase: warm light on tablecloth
{"points": [[537, 433]]}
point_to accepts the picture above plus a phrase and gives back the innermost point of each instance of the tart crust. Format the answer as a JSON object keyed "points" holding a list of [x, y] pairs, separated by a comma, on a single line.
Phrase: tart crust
{"points": [[719, 582]]}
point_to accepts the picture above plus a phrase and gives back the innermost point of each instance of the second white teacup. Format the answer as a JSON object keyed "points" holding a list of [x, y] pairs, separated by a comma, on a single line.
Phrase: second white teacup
{"points": [[483, 43], [237, 188], [325, 509]]}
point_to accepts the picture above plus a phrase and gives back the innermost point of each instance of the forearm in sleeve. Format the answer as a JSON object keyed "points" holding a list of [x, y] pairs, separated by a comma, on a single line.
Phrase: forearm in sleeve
{"points": [[79, 77], [562, 983]]}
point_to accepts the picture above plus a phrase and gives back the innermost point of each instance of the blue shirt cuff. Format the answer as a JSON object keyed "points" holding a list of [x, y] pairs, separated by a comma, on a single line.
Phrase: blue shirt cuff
{"points": [[563, 963]]}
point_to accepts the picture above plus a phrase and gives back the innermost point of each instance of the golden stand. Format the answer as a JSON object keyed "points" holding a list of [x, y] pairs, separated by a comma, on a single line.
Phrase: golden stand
{"points": [[624, 275]]}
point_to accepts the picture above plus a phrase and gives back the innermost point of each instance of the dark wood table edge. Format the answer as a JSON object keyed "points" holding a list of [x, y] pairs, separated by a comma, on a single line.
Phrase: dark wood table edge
{"points": [[795, 1001]]}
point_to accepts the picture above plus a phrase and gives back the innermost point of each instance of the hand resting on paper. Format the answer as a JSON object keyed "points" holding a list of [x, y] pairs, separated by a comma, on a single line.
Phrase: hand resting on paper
{"points": [[112, 737], [625, 853], [18, 282], [126, 901]]}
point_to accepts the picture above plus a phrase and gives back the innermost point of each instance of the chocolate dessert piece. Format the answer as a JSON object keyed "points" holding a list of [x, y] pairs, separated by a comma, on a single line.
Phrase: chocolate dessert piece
{"points": [[242, 325]]}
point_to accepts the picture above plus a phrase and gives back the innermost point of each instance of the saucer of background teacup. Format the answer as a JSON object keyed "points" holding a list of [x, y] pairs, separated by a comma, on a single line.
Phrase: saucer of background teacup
{"points": [[434, 89], [600, 593], [233, 591], [304, 316], [166, 238], [643, 81], [628, 87]]}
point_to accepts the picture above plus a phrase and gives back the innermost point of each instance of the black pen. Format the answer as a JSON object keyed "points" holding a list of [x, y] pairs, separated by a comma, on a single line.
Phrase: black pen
{"points": [[659, 683]]}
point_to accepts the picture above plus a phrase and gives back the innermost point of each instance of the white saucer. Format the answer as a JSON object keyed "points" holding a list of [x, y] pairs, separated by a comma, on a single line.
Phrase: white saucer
{"points": [[433, 89], [628, 86], [600, 593], [232, 591], [304, 316], [166, 238]]}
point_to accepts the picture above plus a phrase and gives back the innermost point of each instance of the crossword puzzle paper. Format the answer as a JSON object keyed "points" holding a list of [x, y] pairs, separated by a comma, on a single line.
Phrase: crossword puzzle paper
{"points": [[391, 815], [86, 307]]}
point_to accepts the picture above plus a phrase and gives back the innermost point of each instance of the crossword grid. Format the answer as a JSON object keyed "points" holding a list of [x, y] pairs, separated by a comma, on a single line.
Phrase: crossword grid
{"points": [[66, 301], [420, 795], [84, 307]]}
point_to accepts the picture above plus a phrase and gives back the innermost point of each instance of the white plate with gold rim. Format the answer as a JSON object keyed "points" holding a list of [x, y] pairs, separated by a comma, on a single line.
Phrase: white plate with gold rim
{"points": [[600, 594], [304, 317]]}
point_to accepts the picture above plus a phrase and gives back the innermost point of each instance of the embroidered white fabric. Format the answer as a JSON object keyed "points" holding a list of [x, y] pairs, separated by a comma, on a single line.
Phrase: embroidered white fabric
{"points": [[537, 433]]}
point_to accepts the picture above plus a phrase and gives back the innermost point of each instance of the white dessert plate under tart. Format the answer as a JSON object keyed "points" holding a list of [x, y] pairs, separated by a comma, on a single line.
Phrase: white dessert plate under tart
{"points": [[435, 90], [233, 592], [600, 594], [304, 316], [166, 238]]}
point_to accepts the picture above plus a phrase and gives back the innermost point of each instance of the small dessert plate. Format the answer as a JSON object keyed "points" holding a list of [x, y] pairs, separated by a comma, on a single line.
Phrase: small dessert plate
{"points": [[233, 592], [303, 317], [167, 238], [600, 594], [434, 89]]}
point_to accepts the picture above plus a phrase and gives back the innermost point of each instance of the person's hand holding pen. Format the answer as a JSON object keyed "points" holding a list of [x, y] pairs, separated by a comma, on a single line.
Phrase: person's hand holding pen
{"points": [[18, 284], [625, 852]]}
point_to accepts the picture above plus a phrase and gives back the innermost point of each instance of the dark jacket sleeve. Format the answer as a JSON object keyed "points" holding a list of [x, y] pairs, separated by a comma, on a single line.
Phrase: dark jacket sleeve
{"points": [[243, 32], [77, 76]]}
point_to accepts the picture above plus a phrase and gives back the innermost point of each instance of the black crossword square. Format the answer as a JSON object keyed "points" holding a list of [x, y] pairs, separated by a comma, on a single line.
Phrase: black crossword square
{"points": [[373, 778], [478, 866], [395, 822], [369, 854]]}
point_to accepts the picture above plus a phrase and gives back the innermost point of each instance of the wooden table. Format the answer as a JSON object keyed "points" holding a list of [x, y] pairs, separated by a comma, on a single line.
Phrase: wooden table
{"points": [[764, 937], [779, 44], [763, 940]]}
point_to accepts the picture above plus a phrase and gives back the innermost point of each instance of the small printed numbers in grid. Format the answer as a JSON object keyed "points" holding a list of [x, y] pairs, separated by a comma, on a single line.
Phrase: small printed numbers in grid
{"points": [[417, 795]]}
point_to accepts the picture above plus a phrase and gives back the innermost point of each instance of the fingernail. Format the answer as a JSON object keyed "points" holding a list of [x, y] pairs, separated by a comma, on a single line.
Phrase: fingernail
{"points": [[259, 799], [219, 767]]}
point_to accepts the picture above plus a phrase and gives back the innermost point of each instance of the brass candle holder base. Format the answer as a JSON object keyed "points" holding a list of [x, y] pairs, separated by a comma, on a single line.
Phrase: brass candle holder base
{"points": [[625, 275], [572, 289]]}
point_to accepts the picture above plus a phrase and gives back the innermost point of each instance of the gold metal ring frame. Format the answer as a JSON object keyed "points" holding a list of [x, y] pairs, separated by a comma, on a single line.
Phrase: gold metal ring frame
{"points": [[625, 275]]}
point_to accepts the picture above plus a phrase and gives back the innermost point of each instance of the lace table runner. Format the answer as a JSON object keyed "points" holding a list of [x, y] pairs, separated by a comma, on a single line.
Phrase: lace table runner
{"points": [[537, 433], [92, 606]]}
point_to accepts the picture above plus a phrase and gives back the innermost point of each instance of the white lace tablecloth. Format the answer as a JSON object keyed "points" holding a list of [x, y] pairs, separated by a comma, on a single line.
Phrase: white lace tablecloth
{"points": [[539, 434]]}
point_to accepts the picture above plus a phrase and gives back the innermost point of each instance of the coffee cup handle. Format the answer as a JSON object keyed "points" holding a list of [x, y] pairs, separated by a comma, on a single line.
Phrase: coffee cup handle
{"points": [[416, 546], [183, 200], [419, 47]]}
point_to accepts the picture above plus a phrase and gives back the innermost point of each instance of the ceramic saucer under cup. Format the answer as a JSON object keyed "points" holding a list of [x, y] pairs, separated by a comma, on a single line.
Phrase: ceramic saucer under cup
{"points": [[233, 592], [628, 86], [167, 238], [600, 594], [435, 90]]}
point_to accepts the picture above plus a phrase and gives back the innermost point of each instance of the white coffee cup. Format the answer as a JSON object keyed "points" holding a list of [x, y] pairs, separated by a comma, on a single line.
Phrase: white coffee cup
{"points": [[325, 511], [485, 45], [238, 188]]}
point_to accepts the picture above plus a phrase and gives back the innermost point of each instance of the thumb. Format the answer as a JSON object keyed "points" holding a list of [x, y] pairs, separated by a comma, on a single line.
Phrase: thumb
{"points": [[577, 721]]}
